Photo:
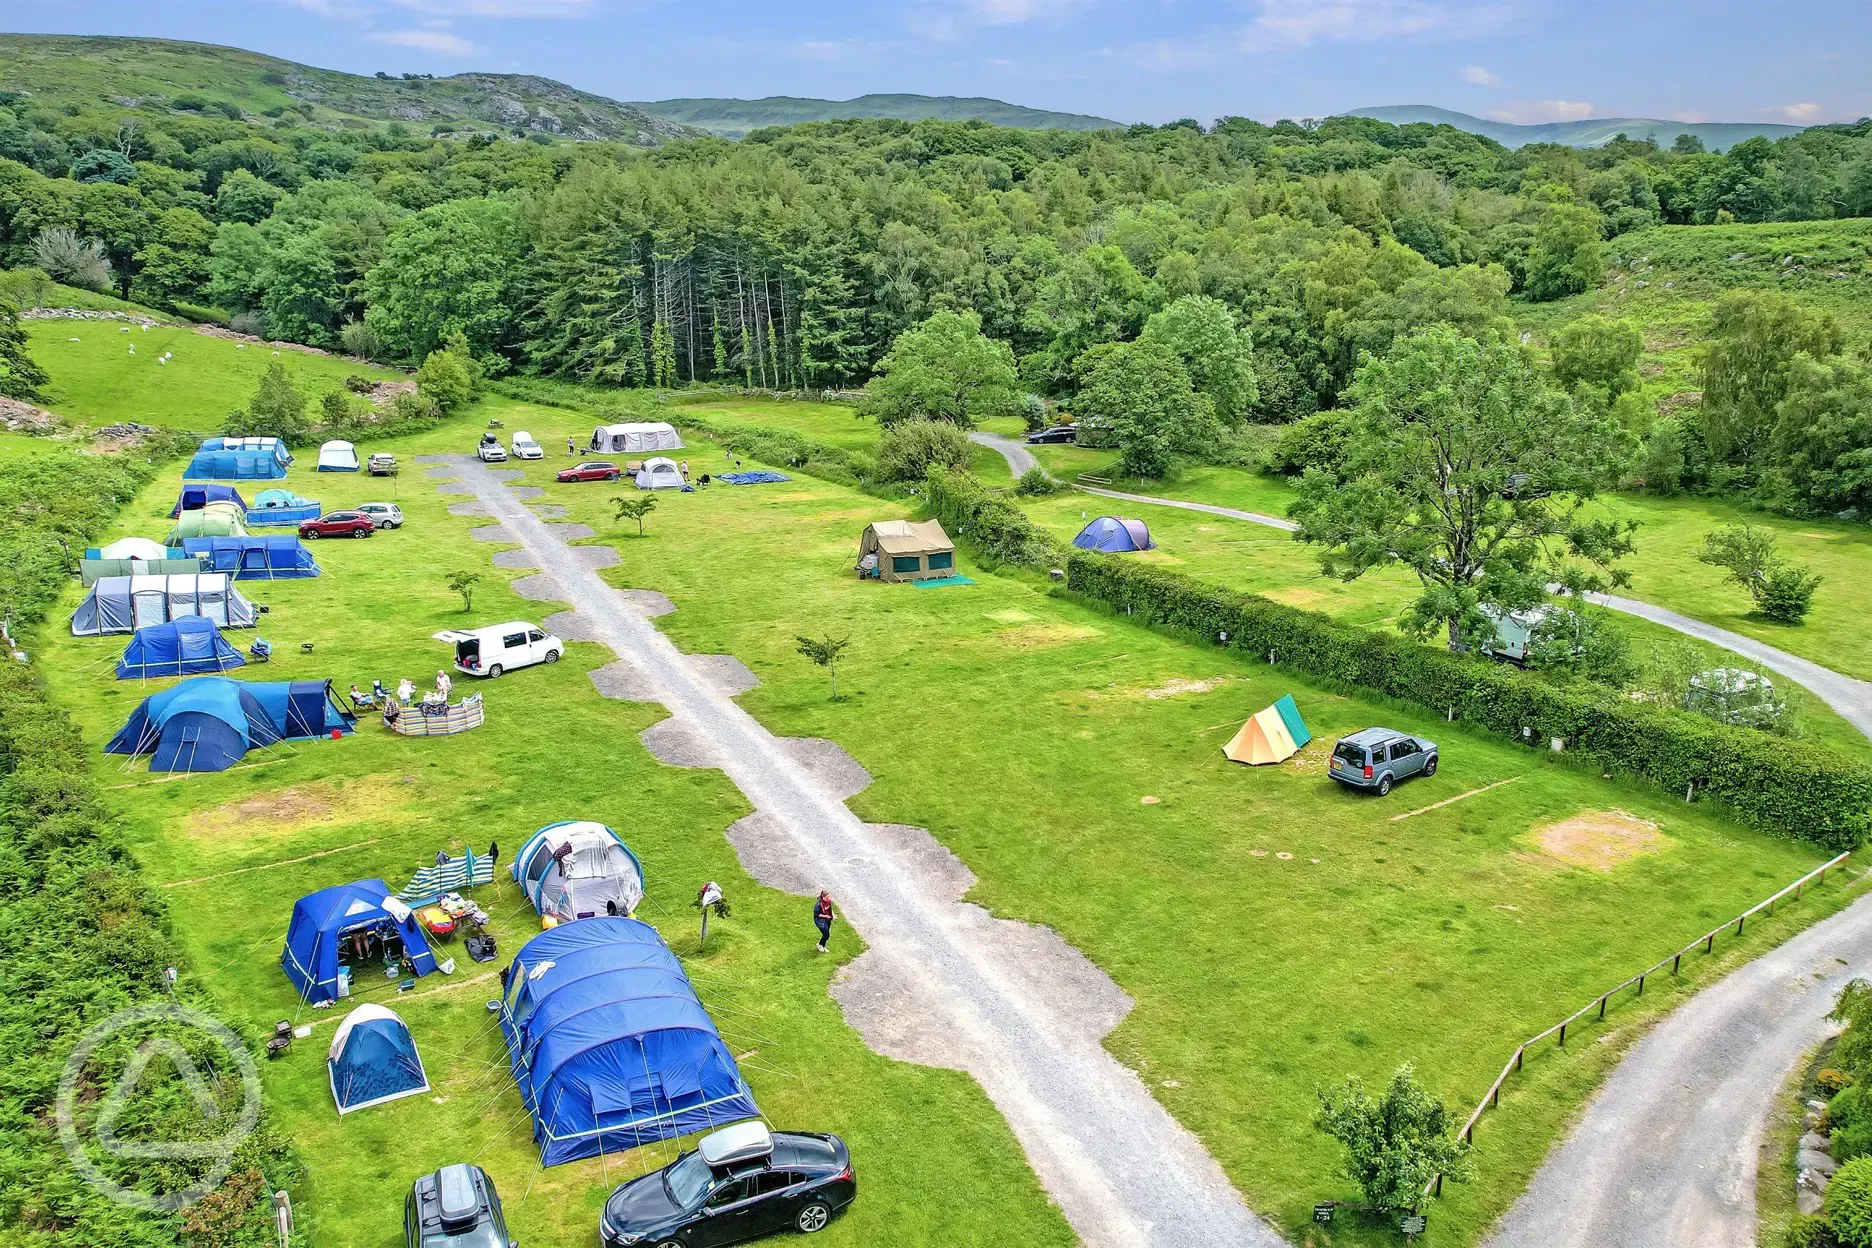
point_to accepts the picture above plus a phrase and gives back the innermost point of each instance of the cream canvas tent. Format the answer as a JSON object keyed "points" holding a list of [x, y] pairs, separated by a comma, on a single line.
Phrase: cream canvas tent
{"points": [[631, 439], [659, 474], [1274, 735], [906, 550], [337, 456]]}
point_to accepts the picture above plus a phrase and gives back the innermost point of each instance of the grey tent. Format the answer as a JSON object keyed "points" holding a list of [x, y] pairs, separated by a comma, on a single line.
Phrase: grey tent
{"points": [[123, 604], [635, 438]]}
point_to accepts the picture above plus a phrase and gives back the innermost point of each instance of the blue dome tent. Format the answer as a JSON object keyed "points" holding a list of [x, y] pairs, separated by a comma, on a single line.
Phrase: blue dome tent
{"points": [[318, 947], [572, 868], [210, 722], [239, 459], [1114, 535], [373, 1059], [198, 494], [271, 507], [188, 646], [277, 557], [610, 1046]]}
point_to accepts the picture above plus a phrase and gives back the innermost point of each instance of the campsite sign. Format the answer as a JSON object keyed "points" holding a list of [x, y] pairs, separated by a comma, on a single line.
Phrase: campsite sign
{"points": [[1323, 1213]]}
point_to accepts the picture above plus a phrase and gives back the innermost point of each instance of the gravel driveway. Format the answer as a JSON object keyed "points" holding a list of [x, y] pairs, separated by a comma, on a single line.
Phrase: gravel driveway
{"points": [[1120, 1167]]}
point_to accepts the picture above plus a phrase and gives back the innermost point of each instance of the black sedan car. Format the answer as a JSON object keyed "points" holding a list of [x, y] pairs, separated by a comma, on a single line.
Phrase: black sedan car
{"points": [[1057, 434], [741, 1183]]}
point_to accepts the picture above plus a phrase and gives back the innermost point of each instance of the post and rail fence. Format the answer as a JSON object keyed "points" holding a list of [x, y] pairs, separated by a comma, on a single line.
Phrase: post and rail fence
{"points": [[1705, 942]]}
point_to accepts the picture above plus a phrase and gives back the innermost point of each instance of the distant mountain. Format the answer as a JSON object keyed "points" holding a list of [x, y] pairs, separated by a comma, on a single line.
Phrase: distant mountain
{"points": [[84, 71], [734, 118], [1717, 136]]}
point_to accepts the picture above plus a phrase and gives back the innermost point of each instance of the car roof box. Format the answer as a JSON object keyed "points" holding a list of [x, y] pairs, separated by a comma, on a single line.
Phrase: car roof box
{"points": [[744, 1141], [457, 1201]]}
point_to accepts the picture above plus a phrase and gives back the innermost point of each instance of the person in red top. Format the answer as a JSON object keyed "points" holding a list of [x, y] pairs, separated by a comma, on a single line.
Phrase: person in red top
{"points": [[822, 916]]}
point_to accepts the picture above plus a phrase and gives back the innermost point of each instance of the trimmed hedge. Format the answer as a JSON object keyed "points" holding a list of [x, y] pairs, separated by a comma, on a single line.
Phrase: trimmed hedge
{"points": [[1783, 787], [996, 524]]}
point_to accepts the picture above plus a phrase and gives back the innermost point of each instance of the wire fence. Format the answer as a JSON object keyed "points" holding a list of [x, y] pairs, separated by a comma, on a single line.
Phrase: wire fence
{"points": [[1706, 943]]}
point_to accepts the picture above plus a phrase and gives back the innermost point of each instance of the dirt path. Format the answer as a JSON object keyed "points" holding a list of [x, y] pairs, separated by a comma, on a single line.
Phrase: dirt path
{"points": [[1666, 1152], [942, 983]]}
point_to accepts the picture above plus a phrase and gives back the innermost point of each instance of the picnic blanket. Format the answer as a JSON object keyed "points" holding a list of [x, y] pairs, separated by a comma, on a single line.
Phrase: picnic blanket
{"points": [[753, 478], [450, 877], [940, 581]]}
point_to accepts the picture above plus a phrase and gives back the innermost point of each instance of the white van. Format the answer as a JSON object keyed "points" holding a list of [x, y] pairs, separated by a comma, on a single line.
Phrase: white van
{"points": [[501, 648], [524, 447]]}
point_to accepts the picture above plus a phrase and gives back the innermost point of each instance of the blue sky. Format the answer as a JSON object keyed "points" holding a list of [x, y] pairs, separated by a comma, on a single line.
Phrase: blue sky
{"points": [[1133, 60]]}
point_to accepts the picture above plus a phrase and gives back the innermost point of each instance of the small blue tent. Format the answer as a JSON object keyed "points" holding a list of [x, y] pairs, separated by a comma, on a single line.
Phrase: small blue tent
{"points": [[610, 1046], [239, 459], [210, 722], [315, 939], [198, 494], [278, 557], [373, 1059], [271, 507], [1114, 534], [187, 646]]}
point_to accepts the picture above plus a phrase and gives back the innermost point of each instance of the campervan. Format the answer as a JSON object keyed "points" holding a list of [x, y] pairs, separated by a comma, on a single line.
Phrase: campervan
{"points": [[501, 648]]}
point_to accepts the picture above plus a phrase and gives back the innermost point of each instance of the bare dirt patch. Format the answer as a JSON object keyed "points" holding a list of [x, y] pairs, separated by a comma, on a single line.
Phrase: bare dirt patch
{"points": [[1599, 839], [1037, 636], [282, 812]]}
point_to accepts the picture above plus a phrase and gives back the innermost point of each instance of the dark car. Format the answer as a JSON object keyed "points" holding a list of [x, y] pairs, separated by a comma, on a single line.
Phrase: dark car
{"points": [[742, 1182], [1058, 433], [1377, 758], [339, 524], [456, 1207], [594, 470]]}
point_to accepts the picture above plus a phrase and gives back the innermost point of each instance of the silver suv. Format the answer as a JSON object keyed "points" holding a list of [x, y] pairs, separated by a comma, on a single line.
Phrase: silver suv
{"points": [[386, 515], [1376, 758]]}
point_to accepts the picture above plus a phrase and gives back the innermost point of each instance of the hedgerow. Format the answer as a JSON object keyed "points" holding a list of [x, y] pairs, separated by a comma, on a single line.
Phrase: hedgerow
{"points": [[82, 934], [995, 524], [1783, 787]]}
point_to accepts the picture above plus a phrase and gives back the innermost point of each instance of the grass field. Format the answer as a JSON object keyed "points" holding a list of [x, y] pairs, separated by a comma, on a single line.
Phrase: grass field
{"points": [[96, 381]]}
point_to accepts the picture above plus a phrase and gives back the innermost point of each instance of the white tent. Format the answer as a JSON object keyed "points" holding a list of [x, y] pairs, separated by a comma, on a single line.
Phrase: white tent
{"points": [[659, 474], [337, 457], [635, 438], [570, 870], [134, 548], [123, 604]]}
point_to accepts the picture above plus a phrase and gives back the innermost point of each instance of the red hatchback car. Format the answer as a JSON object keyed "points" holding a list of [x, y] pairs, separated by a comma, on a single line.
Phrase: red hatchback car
{"points": [[596, 470], [338, 524]]}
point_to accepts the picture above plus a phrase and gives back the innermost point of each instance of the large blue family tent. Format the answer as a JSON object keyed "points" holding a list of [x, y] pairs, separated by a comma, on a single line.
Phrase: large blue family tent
{"points": [[1114, 534], [335, 925], [210, 722], [373, 1059], [610, 1046], [188, 646], [198, 494], [271, 507], [277, 557], [239, 459]]}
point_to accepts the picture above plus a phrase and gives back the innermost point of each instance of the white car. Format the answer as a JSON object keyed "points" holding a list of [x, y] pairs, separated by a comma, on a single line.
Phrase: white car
{"points": [[387, 515], [491, 451], [524, 447], [501, 648]]}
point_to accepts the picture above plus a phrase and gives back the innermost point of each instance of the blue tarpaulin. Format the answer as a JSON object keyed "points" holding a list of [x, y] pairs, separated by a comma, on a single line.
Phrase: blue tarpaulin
{"points": [[264, 558], [188, 646], [753, 478], [321, 921], [239, 459], [610, 1046], [210, 722], [198, 494]]}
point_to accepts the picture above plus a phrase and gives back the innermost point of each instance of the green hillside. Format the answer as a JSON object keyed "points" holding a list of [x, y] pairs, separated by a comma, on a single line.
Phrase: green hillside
{"points": [[1717, 136], [734, 118], [81, 71]]}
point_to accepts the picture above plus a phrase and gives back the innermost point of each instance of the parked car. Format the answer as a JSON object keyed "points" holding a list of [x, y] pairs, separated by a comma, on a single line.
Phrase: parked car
{"points": [[592, 470], [381, 464], [1377, 758], [1057, 433], [524, 447], [384, 515], [742, 1182], [456, 1207], [491, 451], [338, 524], [501, 648]]}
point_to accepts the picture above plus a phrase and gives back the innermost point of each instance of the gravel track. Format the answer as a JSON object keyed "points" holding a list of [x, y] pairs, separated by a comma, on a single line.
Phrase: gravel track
{"points": [[1123, 1171]]}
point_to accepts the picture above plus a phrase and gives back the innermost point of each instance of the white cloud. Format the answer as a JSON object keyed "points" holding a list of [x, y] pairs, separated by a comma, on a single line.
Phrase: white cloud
{"points": [[835, 49], [936, 27], [437, 42], [501, 8], [1533, 112], [1801, 114], [1284, 24], [1480, 77], [1689, 119]]}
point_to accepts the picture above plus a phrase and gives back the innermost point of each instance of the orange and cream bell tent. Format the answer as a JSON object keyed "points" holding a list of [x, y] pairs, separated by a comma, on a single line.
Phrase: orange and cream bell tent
{"points": [[1274, 735]]}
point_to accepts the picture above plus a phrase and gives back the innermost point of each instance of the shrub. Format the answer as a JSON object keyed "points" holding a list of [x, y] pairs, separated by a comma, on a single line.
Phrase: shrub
{"points": [[277, 409], [909, 449], [28, 287], [998, 527], [1809, 1232], [1831, 1081], [1787, 788], [253, 324], [73, 260], [201, 313], [1788, 593], [445, 378], [1316, 441], [1035, 483], [360, 340], [357, 383], [1849, 1203]]}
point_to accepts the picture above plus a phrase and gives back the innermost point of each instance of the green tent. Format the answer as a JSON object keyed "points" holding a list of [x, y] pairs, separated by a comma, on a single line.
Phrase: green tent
{"points": [[214, 520]]}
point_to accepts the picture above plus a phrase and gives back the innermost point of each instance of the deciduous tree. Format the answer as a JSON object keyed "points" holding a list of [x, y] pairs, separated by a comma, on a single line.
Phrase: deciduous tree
{"points": [[945, 369]]}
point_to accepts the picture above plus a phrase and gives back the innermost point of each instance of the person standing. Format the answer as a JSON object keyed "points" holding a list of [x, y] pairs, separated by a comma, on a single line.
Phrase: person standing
{"points": [[822, 917], [684, 468], [571, 450]]}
